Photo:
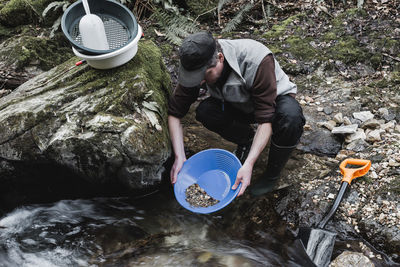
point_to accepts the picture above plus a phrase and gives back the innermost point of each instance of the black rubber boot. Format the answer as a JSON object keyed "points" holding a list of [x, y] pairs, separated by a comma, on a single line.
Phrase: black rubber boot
{"points": [[277, 159]]}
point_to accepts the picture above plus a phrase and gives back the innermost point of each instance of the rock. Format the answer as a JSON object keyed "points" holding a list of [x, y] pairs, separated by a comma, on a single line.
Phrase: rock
{"points": [[328, 124], [389, 117], [374, 136], [383, 112], [349, 258], [371, 124], [359, 134], [388, 126], [357, 145], [397, 128], [363, 115], [21, 12], [25, 56], [338, 118], [346, 121], [346, 129], [104, 125], [320, 143], [308, 99], [328, 110]]}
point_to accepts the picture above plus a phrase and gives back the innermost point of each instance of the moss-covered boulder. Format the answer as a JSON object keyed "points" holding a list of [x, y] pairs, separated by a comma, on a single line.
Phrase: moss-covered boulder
{"points": [[28, 54], [21, 12], [104, 125]]}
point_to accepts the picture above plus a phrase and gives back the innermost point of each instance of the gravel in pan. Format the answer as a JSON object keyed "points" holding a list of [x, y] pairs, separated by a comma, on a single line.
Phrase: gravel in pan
{"points": [[198, 197]]}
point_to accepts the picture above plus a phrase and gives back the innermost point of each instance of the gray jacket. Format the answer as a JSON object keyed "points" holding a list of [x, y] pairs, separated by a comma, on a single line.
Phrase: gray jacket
{"points": [[244, 56]]}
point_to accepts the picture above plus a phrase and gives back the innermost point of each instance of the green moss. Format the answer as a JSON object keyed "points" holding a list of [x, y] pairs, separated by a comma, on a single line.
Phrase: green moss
{"points": [[41, 51], [329, 36], [390, 82], [166, 49], [21, 12], [349, 51], [301, 48], [5, 32], [355, 13], [278, 30]]}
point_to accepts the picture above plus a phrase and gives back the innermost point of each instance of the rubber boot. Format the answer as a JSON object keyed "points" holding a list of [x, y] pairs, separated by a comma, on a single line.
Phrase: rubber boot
{"points": [[277, 159]]}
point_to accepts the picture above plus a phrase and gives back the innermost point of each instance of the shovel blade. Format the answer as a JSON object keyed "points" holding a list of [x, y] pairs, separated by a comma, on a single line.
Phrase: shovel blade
{"points": [[318, 244]]}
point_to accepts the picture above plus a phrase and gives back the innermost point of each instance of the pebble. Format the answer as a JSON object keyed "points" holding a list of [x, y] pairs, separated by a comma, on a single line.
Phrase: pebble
{"points": [[363, 115], [338, 118], [328, 110], [346, 129]]}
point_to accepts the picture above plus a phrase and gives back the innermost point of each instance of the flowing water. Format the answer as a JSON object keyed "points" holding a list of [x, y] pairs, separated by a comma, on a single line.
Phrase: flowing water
{"points": [[152, 231]]}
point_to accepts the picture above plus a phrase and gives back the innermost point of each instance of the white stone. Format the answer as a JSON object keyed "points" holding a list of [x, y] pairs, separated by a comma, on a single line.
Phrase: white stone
{"points": [[338, 118], [363, 115], [388, 126], [346, 121], [383, 111], [359, 134], [373, 175], [347, 129], [349, 258], [374, 135], [371, 123], [327, 124]]}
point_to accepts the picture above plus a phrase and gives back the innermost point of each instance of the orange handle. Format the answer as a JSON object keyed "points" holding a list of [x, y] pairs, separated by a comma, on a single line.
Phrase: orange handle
{"points": [[350, 173]]}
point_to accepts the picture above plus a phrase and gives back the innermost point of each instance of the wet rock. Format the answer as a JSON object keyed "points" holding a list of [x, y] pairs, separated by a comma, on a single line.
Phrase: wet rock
{"points": [[346, 129], [349, 258], [102, 125], [363, 115]]}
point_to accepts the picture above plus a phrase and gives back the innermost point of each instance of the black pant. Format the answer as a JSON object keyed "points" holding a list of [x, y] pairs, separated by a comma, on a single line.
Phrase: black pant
{"points": [[234, 125]]}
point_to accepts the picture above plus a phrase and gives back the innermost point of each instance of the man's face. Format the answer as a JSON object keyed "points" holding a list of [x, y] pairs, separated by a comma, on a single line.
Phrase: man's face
{"points": [[212, 74]]}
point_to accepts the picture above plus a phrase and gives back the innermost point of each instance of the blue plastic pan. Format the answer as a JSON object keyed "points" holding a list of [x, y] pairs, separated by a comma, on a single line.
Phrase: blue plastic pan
{"points": [[215, 171]]}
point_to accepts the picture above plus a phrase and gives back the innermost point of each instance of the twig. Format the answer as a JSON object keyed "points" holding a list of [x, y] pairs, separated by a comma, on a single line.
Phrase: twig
{"points": [[206, 13], [265, 14], [392, 57]]}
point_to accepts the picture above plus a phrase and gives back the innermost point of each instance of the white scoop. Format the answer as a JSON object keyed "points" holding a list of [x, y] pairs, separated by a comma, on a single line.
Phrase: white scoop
{"points": [[92, 30]]}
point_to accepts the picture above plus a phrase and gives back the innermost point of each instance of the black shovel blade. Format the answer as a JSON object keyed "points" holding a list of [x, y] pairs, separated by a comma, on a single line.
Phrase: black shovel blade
{"points": [[318, 244]]}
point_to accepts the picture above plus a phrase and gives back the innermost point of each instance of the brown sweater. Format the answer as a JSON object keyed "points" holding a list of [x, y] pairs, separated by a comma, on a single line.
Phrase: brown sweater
{"points": [[263, 94]]}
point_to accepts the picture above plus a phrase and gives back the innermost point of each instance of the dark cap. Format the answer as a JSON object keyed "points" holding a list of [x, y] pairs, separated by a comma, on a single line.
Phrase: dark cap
{"points": [[195, 52]]}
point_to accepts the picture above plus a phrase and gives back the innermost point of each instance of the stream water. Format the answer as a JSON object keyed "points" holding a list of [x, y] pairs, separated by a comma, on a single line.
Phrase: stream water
{"points": [[150, 231]]}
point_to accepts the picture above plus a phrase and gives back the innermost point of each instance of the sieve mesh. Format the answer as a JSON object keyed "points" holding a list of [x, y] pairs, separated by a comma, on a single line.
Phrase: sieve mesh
{"points": [[117, 33]]}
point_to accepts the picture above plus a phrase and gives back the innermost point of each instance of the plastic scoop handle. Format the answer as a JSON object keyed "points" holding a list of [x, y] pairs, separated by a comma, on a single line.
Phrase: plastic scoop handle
{"points": [[351, 173], [86, 6]]}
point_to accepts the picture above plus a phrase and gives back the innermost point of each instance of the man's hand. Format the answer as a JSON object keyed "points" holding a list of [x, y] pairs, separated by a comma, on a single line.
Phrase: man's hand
{"points": [[244, 177], [176, 169]]}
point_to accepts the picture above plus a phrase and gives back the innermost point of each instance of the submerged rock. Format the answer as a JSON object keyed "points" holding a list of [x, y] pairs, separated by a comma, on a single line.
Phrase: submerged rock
{"points": [[349, 258], [104, 125]]}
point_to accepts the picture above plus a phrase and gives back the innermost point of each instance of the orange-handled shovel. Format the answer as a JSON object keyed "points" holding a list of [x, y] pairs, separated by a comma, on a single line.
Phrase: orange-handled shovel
{"points": [[317, 242]]}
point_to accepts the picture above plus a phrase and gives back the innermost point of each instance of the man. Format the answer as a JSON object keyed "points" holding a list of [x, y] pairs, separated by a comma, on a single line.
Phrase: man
{"points": [[246, 86]]}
